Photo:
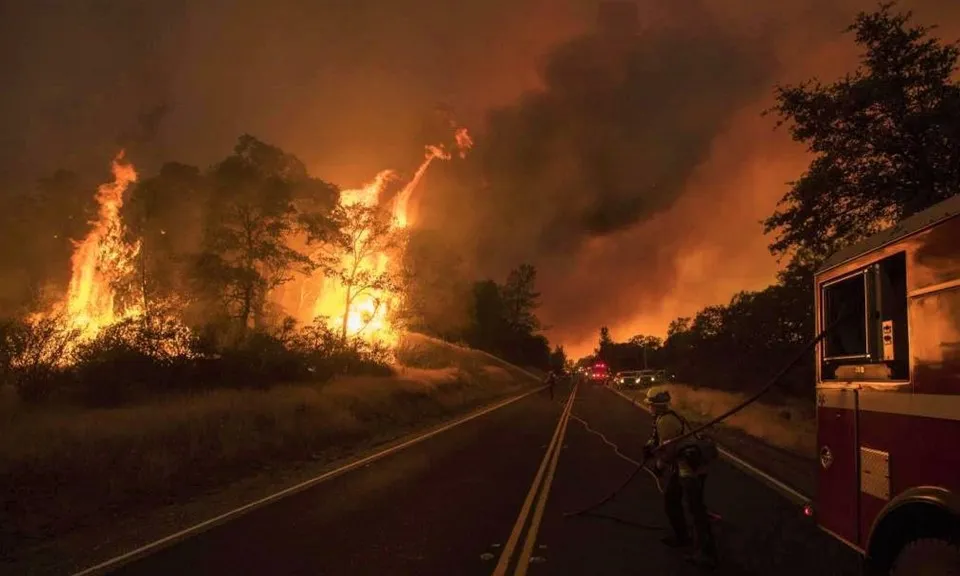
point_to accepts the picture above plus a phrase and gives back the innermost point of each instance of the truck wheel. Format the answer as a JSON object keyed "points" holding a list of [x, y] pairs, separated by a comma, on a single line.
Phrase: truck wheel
{"points": [[927, 557]]}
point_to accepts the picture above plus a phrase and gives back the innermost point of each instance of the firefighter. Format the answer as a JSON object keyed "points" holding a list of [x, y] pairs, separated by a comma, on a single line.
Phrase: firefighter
{"points": [[685, 475], [551, 381]]}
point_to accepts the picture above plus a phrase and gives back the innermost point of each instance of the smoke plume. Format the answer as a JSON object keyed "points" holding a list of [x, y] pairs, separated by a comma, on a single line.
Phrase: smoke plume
{"points": [[637, 175]]}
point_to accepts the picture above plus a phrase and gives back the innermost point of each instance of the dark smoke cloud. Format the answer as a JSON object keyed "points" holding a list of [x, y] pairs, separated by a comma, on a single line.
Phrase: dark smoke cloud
{"points": [[147, 128], [636, 177], [344, 84], [618, 129]]}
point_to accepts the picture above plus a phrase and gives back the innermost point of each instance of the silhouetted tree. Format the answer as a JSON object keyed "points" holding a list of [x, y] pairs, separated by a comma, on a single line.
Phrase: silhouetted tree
{"points": [[164, 213], [602, 351], [646, 350], [520, 299], [503, 321], [435, 286], [558, 359], [529, 350], [488, 323], [250, 220], [886, 138]]}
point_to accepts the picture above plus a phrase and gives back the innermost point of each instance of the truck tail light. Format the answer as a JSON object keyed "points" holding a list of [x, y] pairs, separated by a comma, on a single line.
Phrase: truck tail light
{"points": [[808, 510]]}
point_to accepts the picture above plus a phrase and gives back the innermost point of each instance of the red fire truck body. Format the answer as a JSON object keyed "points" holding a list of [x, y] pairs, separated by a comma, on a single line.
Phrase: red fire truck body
{"points": [[888, 389]]}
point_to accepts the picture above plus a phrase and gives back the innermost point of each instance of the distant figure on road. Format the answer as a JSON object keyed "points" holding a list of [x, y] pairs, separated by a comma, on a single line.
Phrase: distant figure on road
{"points": [[686, 474], [551, 381]]}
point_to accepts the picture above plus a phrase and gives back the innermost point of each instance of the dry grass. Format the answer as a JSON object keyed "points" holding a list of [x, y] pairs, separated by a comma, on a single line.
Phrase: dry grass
{"points": [[70, 467], [790, 426]]}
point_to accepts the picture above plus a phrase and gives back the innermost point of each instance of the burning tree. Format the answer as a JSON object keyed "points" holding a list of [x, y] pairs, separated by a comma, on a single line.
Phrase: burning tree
{"points": [[357, 259], [102, 261], [185, 239], [360, 262]]}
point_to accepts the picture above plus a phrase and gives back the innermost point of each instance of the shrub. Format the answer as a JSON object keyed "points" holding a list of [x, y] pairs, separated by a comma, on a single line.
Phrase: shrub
{"points": [[33, 352], [155, 355]]}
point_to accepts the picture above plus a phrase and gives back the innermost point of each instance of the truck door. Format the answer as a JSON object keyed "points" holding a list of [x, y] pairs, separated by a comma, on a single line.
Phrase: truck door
{"points": [[838, 489]]}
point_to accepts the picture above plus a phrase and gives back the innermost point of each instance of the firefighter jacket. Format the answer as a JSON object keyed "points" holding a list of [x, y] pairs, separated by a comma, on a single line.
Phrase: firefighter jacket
{"points": [[666, 427]]}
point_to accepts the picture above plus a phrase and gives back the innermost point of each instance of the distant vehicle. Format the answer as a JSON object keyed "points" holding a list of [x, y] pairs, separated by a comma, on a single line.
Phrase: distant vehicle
{"points": [[652, 377], [599, 373], [888, 395], [627, 379], [640, 378]]}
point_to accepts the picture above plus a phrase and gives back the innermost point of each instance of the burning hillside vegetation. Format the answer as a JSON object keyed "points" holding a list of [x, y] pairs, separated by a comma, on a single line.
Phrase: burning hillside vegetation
{"points": [[275, 263]]}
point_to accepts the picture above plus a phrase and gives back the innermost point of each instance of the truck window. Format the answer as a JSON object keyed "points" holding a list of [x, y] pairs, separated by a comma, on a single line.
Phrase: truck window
{"points": [[846, 297], [871, 341]]}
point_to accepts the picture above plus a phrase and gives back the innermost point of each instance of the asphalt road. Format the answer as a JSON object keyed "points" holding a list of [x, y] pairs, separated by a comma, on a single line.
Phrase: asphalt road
{"points": [[449, 505]]}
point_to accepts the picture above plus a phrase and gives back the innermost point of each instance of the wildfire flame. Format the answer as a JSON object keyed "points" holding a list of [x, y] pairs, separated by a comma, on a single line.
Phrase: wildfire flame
{"points": [[102, 259], [464, 141], [368, 315], [368, 311]]}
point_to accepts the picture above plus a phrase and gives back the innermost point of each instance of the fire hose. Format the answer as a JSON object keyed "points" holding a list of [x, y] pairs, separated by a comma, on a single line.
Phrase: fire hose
{"points": [[641, 466]]}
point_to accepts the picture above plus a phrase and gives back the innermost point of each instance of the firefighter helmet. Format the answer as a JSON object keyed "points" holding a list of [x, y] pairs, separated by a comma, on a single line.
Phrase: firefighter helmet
{"points": [[656, 396]]}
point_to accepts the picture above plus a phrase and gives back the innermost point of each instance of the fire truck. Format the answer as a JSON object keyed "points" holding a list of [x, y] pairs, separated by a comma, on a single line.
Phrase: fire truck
{"points": [[599, 373], [888, 395]]}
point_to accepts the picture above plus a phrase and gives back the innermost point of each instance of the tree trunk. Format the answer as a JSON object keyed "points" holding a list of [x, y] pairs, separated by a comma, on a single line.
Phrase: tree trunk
{"points": [[245, 308], [346, 317], [143, 285]]}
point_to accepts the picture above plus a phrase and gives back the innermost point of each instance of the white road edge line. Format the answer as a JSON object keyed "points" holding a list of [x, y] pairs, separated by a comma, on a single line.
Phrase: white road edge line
{"points": [[791, 493], [157, 545]]}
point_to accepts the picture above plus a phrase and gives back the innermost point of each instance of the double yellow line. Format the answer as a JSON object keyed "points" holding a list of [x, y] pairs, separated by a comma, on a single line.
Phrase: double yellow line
{"points": [[541, 482]]}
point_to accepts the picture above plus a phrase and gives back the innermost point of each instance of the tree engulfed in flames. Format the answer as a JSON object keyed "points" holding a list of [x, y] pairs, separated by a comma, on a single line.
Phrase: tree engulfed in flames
{"points": [[359, 311], [102, 260], [105, 260], [368, 312]]}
